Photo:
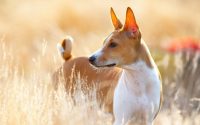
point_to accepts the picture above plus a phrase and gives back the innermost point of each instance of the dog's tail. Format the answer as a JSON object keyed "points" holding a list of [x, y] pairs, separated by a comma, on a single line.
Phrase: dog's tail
{"points": [[65, 48]]}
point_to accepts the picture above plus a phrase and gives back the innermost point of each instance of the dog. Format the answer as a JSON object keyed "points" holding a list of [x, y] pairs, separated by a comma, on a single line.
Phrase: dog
{"points": [[103, 80], [138, 94]]}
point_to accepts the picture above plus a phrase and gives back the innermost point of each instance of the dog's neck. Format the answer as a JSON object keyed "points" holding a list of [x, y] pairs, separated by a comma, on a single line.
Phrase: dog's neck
{"points": [[144, 54], [136, 77], [144, 59], [141, 68], [136, 66]]}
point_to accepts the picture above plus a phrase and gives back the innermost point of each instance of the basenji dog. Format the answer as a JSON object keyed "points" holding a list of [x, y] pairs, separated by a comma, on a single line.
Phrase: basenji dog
{"points": [[137, 96], [79, 69]]}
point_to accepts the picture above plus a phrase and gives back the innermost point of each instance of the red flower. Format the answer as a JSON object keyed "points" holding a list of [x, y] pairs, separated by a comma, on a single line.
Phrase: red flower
{"points": [[183, 44]]}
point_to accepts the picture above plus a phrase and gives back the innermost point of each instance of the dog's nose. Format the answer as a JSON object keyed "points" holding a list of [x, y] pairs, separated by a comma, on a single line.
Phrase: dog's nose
{"points": [[92, 59]]}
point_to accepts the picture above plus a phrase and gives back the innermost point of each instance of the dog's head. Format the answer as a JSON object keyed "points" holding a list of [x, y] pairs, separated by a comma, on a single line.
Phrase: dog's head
{"points": [[121, 46]]}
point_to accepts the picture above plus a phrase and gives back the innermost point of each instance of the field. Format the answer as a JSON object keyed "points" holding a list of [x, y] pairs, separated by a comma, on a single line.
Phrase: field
{"points": [[30, 30]]}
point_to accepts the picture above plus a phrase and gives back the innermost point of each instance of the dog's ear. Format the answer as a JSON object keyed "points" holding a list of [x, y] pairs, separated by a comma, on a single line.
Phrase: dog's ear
{"points": [[117, 24], [130, 23]]}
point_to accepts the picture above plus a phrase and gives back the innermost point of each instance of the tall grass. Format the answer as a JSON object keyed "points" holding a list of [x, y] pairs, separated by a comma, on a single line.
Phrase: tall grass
{"points": [[31, 99], [180, 72], [28, 36]]}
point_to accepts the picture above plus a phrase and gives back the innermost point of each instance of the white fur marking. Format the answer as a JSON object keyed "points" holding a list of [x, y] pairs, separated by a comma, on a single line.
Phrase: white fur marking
{"points": [[69, 38], [97, 53], [131, 96], [60, 48]]}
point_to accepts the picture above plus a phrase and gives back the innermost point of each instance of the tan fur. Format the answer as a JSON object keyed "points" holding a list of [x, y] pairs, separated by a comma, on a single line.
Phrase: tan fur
{"points": [[66, 44], [104, 80], [120, 52]]}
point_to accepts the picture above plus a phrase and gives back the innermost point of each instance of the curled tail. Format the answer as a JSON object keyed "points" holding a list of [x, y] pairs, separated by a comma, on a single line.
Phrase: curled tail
{"points": [[65, 48]]}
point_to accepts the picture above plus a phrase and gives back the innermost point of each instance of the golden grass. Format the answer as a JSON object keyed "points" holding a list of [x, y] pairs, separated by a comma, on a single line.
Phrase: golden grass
{"points": [[26, 100], [28, 36]]}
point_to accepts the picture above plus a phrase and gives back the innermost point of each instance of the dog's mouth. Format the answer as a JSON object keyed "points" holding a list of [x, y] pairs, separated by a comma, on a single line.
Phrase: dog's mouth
{"points": [[109, 65]]}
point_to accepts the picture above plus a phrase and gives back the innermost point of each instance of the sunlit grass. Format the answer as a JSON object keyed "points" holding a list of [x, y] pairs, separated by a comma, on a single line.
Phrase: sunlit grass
{"points": [[32, 99], [30, 31]]}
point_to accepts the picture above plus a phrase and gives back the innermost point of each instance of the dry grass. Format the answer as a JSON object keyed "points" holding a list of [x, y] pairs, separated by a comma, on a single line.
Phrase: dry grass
{"points": [[28, 36], [32, 100]]}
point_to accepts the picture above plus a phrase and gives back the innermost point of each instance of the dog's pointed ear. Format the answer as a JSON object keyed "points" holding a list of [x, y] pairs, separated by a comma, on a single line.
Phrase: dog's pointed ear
{"points": [[116, 23], [130, 23]]}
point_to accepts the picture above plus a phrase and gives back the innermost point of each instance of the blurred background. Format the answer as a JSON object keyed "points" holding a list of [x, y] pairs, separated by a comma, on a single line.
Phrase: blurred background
{"points": [[26, 24], [30, 30]]}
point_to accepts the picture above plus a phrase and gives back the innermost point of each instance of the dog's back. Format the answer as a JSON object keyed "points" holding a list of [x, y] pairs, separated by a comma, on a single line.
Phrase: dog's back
{"points": [[104, 80]]}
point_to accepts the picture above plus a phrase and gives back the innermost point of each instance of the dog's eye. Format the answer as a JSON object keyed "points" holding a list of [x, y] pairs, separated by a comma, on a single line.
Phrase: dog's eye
{"points": [[112, 45]]}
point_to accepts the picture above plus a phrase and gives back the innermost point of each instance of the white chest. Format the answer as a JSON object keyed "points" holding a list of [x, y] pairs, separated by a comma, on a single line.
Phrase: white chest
{"points": [[137, 95]]}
